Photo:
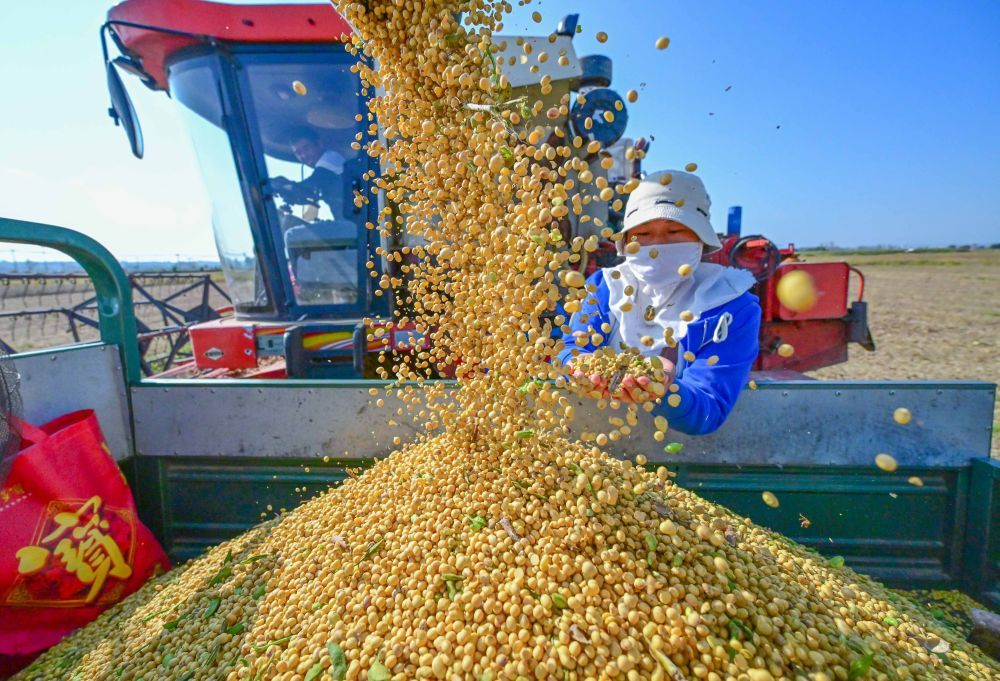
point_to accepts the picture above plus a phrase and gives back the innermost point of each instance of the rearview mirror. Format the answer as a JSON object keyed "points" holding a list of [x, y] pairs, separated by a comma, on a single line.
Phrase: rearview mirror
{"points": [[122, 111]]}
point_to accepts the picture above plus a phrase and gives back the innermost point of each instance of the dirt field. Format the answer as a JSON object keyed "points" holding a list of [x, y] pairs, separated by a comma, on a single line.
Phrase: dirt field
{"points": [[933, 316]]}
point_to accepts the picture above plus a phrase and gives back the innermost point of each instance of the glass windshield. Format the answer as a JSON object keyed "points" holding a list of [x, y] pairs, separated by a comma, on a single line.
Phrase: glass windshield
{"points": [[307, 117], [195, 86]]}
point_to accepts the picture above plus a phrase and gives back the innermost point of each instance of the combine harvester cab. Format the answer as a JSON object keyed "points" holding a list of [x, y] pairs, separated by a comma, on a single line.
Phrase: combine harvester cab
{"points": [[277, 116], [270, 96]]}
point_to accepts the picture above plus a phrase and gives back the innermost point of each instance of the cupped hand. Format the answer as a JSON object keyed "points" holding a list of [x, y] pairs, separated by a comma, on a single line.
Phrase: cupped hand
{"points": [[595, 385], [640, 389], [643, 388]]}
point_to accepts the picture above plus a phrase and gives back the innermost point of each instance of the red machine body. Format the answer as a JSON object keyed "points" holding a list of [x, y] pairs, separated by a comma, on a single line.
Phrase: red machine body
{"points": [[819, 335], [226, 344], [152, 30], [232, 347]]}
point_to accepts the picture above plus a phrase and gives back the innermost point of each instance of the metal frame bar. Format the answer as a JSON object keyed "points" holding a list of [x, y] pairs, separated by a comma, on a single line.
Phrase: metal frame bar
{"points": [[170, 313], [116, 317]]}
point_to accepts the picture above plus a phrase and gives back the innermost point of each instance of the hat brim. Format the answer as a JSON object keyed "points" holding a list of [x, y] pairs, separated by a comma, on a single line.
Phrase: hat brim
{"points": [[689, 217]]}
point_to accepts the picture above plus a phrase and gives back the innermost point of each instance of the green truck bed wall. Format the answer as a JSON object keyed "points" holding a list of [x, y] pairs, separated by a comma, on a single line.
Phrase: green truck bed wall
{"points": [[982, 533], [904, 535]]}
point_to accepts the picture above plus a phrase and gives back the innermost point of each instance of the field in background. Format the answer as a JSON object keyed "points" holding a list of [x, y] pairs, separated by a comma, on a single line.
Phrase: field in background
{"points": [[934, 315]]}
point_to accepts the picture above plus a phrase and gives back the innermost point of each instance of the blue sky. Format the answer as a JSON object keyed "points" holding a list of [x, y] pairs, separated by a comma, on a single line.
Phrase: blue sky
{"points": [[889, 116]]}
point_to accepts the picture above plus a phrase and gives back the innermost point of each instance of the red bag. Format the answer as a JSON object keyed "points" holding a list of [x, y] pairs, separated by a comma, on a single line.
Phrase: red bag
{"points": [[71, 543]]}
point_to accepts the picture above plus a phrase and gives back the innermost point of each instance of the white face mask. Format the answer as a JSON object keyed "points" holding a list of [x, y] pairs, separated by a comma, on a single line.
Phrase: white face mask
{"points": [[660, 273], [658, 294]]}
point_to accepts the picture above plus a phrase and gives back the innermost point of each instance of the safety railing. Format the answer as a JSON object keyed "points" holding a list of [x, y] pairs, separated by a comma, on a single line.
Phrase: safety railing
{"points": [[112, 289]]}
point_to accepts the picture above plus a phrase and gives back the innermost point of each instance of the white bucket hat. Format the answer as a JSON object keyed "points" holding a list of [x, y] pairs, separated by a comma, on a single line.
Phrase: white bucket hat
{"points": [[653, 200]]}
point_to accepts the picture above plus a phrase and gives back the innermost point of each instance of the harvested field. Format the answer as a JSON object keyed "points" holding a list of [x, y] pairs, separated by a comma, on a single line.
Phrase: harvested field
{"points": [[933, 315]]}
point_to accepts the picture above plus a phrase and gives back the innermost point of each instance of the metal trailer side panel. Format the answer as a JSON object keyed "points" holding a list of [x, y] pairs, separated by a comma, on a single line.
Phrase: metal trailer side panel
{"points": [[839, 423], [213, 456], [883, 526], [982, 544], [56, 382], [279, 419], [195, 503], [795, 423]]}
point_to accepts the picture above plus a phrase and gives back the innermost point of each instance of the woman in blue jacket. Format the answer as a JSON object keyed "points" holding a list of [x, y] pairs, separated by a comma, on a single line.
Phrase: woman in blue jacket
{"points": [[701, 317]]}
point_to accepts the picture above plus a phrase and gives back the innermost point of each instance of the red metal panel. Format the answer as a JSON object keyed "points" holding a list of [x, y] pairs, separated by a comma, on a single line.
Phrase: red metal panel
{"points": [[305, 23], [224, 344], [831, 280], [818, 343]]}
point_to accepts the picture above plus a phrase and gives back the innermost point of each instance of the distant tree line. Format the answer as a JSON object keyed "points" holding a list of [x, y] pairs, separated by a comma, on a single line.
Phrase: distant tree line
{"points": [[876, 250]]}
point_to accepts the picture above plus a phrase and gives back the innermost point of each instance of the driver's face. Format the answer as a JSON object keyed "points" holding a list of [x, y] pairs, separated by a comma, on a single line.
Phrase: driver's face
{"points": [[307, 151]]}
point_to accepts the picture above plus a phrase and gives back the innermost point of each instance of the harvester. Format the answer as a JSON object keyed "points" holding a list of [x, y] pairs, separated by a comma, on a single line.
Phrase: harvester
{"points": [[262, 88], [268, 95]]}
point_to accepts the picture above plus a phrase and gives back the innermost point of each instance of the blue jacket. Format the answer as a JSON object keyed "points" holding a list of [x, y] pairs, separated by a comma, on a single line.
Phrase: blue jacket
{"points": [[707, 393]]}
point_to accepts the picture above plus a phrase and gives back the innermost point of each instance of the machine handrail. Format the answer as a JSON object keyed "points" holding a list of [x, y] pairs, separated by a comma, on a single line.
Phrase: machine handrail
{"points": [[111, 285], [861, 285]]}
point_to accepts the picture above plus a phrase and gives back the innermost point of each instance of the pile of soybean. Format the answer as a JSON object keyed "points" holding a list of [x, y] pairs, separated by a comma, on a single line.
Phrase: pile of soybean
{"points": [[535, 559], [494, 546]]}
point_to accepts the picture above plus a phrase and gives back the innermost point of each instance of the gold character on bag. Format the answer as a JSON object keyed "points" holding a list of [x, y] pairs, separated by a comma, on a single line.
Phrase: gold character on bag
{"points": [[81, 543]]}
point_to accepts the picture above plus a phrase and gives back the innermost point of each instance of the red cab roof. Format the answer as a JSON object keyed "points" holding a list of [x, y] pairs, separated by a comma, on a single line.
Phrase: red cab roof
{"points": [[282, 24]]}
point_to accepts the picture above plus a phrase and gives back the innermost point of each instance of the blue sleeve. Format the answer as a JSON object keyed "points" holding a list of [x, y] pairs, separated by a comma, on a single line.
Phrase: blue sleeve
{"points": [[596, 312], [708, 393]]}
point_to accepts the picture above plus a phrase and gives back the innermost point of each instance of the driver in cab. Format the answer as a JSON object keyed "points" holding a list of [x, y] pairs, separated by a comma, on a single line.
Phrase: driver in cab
{"points": [[326, 180], [322, 253], [702, 319]]}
